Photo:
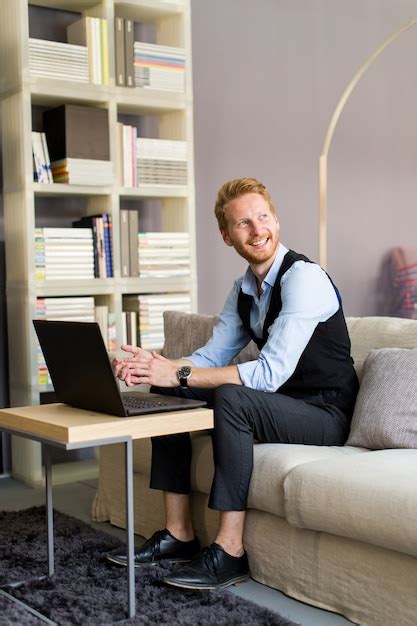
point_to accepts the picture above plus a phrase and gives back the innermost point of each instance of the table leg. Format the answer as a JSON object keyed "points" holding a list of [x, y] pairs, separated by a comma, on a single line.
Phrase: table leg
{"points": [[130, 529], [49, 510]]}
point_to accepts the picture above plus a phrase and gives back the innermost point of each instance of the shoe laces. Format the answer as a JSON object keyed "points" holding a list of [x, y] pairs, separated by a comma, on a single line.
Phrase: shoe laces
{"points": [[209, 556], [155, 541]]}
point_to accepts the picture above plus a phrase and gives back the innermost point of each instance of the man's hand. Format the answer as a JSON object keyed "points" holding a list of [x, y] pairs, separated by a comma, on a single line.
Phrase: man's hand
{"points": [[149, 368], [138, 354]]}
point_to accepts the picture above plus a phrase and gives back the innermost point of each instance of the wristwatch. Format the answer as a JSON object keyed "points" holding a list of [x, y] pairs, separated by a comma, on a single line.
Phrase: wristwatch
{"points": [[183, 374]]}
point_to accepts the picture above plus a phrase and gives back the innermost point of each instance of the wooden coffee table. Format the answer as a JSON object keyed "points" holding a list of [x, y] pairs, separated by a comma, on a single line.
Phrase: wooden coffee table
{"points": [[62, 426]]}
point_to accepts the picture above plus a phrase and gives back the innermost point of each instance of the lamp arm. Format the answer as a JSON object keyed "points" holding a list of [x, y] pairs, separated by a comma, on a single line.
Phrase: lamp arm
{"points": [[329, 135]]}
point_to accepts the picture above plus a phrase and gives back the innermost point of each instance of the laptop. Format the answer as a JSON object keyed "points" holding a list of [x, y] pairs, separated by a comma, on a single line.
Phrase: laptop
{"points": [[83, 377]]}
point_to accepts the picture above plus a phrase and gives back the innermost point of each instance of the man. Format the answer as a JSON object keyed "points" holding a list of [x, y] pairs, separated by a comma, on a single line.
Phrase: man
{"points": [[301, 389]]}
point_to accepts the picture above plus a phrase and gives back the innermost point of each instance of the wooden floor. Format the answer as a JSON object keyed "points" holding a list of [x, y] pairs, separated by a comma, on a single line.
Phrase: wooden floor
{"points": [[76, 499]]}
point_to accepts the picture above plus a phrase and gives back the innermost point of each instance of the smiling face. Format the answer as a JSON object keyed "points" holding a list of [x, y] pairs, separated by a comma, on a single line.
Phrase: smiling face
{"points": [[252, 228]]}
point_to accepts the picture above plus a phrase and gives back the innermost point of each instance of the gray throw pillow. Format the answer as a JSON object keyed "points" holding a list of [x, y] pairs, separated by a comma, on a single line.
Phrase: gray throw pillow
{"points": [[185, 332], [385, 413]]}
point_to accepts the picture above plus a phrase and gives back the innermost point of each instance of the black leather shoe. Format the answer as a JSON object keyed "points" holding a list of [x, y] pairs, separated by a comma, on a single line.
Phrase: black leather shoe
{"points": [[213, 568], [161, 546]]}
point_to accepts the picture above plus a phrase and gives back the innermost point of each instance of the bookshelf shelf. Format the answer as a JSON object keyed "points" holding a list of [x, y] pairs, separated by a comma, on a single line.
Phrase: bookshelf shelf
{"points": [[154, 191], [52, 92], [60, 189], [148, 10], [25, 98], [155, 285], [144, 101], [67, 5], [87, 287]]}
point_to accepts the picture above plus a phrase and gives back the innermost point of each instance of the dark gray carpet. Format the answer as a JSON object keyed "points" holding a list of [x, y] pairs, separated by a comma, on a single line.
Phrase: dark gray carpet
{"points": [[14, 613], [87, 590]]}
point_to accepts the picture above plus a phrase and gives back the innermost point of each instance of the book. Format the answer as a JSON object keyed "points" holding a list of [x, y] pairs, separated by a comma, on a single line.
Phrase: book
{"points": [[74, 309], [161, 161], [119, 46], [129, 69], [133, 243], [119, 154], [88, 32], [46, 158], [104, 49], [112, 331], [101, 316], [82, 172], [129, 319], [159, 67], [100, 225], [62, 233], [58, 60], [128, 156], [164, 255], [39, 171], [124, 242], [108, 246]]}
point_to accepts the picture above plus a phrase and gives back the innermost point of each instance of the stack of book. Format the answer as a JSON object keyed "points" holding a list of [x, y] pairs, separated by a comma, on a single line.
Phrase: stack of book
{"points": [[41, 164], [82, 172], [77, 309], [164, 255], [159, 67], [150, 309], [78, 143], [64, 254], [92, 33], [53, 59], [101, 227], [145, 161], [161, 161]]}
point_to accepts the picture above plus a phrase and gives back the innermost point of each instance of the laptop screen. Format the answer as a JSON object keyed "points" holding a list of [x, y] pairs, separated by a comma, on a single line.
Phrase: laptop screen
{"points": [[79, 365]]}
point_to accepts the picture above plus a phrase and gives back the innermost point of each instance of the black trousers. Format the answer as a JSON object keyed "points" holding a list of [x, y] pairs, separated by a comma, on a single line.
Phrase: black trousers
{"points": [[242, 415]]}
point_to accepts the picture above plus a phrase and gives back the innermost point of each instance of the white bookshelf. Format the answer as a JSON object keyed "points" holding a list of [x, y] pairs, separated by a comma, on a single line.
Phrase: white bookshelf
{"points": [[18, 93]]}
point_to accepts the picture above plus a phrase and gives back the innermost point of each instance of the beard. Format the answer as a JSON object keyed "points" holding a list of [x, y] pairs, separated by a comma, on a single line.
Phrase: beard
{"points": [[254, 256]]}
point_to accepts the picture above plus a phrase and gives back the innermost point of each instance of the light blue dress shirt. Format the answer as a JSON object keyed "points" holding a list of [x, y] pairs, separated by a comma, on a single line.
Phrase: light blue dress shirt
{"points": [[308, 297]]}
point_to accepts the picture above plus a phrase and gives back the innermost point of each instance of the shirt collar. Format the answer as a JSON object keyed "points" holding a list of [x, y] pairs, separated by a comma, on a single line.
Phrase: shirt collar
{"points": [[249, 281]]}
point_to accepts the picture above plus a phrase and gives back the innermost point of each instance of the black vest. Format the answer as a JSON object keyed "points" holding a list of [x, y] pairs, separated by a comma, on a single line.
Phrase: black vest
{"points": [[325, 371]]}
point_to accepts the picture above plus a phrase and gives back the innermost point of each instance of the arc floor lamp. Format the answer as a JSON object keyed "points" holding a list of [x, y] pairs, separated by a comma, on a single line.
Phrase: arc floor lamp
{"points": [[329, 135]]}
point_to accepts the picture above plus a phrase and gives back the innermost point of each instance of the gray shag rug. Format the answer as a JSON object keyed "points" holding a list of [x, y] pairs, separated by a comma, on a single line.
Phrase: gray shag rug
{"points": [[88, 590]]}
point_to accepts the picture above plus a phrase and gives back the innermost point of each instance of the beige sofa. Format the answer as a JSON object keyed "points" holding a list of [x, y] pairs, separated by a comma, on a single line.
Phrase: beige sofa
{"points": [[335, 527]]}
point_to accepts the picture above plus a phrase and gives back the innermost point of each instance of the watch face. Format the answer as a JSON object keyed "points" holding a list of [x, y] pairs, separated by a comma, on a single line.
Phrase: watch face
{"points": [[183, 374]]}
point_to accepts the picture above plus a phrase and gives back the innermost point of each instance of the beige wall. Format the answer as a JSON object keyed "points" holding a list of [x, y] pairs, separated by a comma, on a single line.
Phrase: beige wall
{"points": [[267, 77]]}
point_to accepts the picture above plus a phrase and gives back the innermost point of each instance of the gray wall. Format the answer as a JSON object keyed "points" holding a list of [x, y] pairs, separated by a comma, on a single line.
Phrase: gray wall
{"points": [[267, 77]]}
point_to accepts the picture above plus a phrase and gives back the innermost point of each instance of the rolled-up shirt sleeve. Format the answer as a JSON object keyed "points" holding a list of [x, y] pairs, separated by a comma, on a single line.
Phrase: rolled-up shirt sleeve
{"points": [[228, 339], [308, 297]]}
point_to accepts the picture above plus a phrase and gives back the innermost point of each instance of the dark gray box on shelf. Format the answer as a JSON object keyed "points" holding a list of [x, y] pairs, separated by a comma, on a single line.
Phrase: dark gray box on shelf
{"points": [[78, 132]]}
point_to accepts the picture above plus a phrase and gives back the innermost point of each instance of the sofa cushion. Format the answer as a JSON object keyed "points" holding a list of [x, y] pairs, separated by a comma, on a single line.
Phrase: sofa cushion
{"points": [[272, 463], [371, 333], [370, 497], [385, 413]]}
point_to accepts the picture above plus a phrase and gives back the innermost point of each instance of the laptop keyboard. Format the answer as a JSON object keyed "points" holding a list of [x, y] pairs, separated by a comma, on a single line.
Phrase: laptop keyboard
{"points": [[137, 403]]}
